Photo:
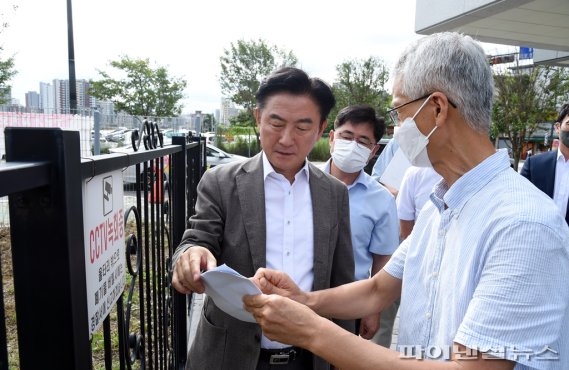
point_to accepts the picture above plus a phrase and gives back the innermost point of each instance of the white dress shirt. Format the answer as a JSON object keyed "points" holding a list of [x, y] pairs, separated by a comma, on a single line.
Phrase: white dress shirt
{"points": [[416, 188], [290, 229], [561, 187]]}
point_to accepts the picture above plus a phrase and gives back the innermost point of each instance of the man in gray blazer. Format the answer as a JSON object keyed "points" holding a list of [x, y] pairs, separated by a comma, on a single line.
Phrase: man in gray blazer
{"points": [[274, 210]]}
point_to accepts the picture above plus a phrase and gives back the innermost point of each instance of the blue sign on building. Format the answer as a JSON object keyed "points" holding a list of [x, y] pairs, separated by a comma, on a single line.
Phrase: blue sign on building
{"points": [[526, 53]]}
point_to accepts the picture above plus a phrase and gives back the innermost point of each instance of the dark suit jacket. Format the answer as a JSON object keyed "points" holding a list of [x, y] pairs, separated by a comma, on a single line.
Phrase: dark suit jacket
{"points": [[230, 222], [540, 170]]}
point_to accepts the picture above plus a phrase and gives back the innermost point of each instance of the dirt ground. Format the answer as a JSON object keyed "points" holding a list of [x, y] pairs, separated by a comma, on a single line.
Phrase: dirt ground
{"points": [[8, 290]]}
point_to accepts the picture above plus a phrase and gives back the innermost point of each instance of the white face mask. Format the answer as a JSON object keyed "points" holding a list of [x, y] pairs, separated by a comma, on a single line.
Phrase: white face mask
{"points": [[412, 142], [348, 156]]}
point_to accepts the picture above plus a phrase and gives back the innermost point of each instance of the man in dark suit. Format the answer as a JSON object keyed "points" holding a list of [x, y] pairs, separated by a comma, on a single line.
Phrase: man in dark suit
{"points": [[550, 171], [274, 210]]}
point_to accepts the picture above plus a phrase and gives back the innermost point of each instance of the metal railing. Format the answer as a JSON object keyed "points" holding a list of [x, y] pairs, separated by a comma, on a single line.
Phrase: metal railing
{"points": [[45, 179]]}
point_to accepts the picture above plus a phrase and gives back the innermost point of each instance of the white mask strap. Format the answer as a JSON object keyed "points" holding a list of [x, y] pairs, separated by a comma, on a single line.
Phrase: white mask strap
{"points": [[421, 107], [430, 133]]}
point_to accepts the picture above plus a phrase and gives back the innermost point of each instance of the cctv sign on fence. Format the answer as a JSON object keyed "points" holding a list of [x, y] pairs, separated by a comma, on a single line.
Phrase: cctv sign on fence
{"points": [[103, 216]]}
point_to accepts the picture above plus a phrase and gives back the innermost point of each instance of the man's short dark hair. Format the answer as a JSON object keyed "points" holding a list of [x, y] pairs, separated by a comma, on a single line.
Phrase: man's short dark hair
{"points": [[563, 112], [361, 114], [295, 81]]}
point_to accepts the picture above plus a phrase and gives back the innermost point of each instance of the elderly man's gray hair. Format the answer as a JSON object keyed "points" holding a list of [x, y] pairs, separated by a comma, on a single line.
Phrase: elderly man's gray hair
{"points": [[455, 65]]}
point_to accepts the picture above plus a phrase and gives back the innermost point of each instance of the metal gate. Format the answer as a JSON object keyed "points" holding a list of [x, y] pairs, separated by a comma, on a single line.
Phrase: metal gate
{"points": [[44, 178]]}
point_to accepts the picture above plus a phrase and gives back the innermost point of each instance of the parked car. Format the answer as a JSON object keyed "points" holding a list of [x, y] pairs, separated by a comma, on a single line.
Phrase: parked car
{"points": [[214, 157], [119, 135], [169, 133], [129, 175], [209, 137], [369, 166]]}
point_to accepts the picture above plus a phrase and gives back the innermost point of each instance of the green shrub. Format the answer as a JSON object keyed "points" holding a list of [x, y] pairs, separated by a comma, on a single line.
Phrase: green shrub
{"points": [[241, 147], [104, 148], [321, 151]]}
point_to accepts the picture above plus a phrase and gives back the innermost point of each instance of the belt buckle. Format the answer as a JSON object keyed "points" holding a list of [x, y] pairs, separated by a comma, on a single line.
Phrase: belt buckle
{"points": [[279, 359], [282, 358]]}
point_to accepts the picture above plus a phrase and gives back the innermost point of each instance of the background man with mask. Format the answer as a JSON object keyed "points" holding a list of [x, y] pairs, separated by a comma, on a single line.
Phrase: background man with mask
{"points": [[483, 275], [550, 171], [373, 214], [414, 193]]}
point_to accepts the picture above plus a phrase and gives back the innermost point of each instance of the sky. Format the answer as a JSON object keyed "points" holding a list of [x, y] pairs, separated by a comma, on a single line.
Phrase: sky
{"points": [[188, 37]]}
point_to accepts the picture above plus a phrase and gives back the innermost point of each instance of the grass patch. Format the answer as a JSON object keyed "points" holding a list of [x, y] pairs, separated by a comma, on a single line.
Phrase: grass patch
{"points": [[9, 301], [97, 342]]}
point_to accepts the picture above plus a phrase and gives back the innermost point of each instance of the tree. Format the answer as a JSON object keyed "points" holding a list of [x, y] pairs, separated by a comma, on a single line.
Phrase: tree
{"points": [[525, 98], [245, 64], [242, 119], [360, 81], [7, 70], [208, 124], [143, 91]]}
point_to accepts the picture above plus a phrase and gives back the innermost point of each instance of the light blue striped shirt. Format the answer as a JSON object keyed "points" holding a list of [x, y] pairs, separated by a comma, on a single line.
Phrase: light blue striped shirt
{"points": [[487, 266], [373, 221], [384, 159]]}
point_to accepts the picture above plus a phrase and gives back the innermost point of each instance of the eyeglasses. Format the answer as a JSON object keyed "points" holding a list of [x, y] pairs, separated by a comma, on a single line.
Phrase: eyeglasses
{"points": [[349, 136], [394, 114]]}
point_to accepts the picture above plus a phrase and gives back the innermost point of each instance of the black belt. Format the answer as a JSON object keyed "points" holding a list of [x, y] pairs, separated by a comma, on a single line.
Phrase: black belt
{"points": [[281, 356]]}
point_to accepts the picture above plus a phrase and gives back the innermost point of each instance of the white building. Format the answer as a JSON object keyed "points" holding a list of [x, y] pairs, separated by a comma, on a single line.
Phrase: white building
{"points": [[61, 96], [540, 24], [62, 100], [47, 98], [228, 110]]}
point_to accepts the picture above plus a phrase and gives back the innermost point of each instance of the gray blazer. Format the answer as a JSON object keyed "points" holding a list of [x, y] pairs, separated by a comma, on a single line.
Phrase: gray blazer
{"points": [[230, 222]]}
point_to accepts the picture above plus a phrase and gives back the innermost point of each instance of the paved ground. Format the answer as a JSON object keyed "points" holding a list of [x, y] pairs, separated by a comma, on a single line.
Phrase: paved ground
{"points": [[197, 304], [4, 217]]}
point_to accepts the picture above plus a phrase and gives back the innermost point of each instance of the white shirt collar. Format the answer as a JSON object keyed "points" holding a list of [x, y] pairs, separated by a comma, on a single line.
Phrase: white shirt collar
{"points": [[268, 168], [560, 155]]}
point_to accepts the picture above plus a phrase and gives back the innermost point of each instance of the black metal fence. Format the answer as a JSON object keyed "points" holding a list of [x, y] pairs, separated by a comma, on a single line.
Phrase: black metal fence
{"points": [[46, 181]]}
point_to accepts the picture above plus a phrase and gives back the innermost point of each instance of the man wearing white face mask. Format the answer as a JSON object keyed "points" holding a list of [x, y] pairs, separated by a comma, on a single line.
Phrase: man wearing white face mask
{"points": [[411, 140], [373, 214]]}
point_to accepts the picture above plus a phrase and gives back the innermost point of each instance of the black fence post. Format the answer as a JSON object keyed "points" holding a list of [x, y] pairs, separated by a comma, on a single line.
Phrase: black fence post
{"points": [[178, 202], [48, 253], [197, 164], [178, 183]]}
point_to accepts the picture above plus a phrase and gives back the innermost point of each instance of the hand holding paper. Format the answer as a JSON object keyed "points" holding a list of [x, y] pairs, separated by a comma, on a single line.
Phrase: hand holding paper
{"points": [[227, 287]]}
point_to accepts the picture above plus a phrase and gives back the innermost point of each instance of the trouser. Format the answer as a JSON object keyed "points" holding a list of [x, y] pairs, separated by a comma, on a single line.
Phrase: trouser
{"points": [[387, 319]]}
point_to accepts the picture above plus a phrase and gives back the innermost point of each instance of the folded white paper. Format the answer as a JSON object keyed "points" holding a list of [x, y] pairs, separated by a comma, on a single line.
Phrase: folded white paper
{"points": [[227, 287], [393, 174]]}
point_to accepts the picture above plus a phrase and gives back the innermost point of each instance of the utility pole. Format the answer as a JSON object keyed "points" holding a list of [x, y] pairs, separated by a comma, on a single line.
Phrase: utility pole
{"points": [[71, 57]]}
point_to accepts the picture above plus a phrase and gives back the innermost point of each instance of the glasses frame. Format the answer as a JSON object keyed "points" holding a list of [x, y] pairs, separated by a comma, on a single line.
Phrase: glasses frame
{"points": [[394, 115], [370, 146]]}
